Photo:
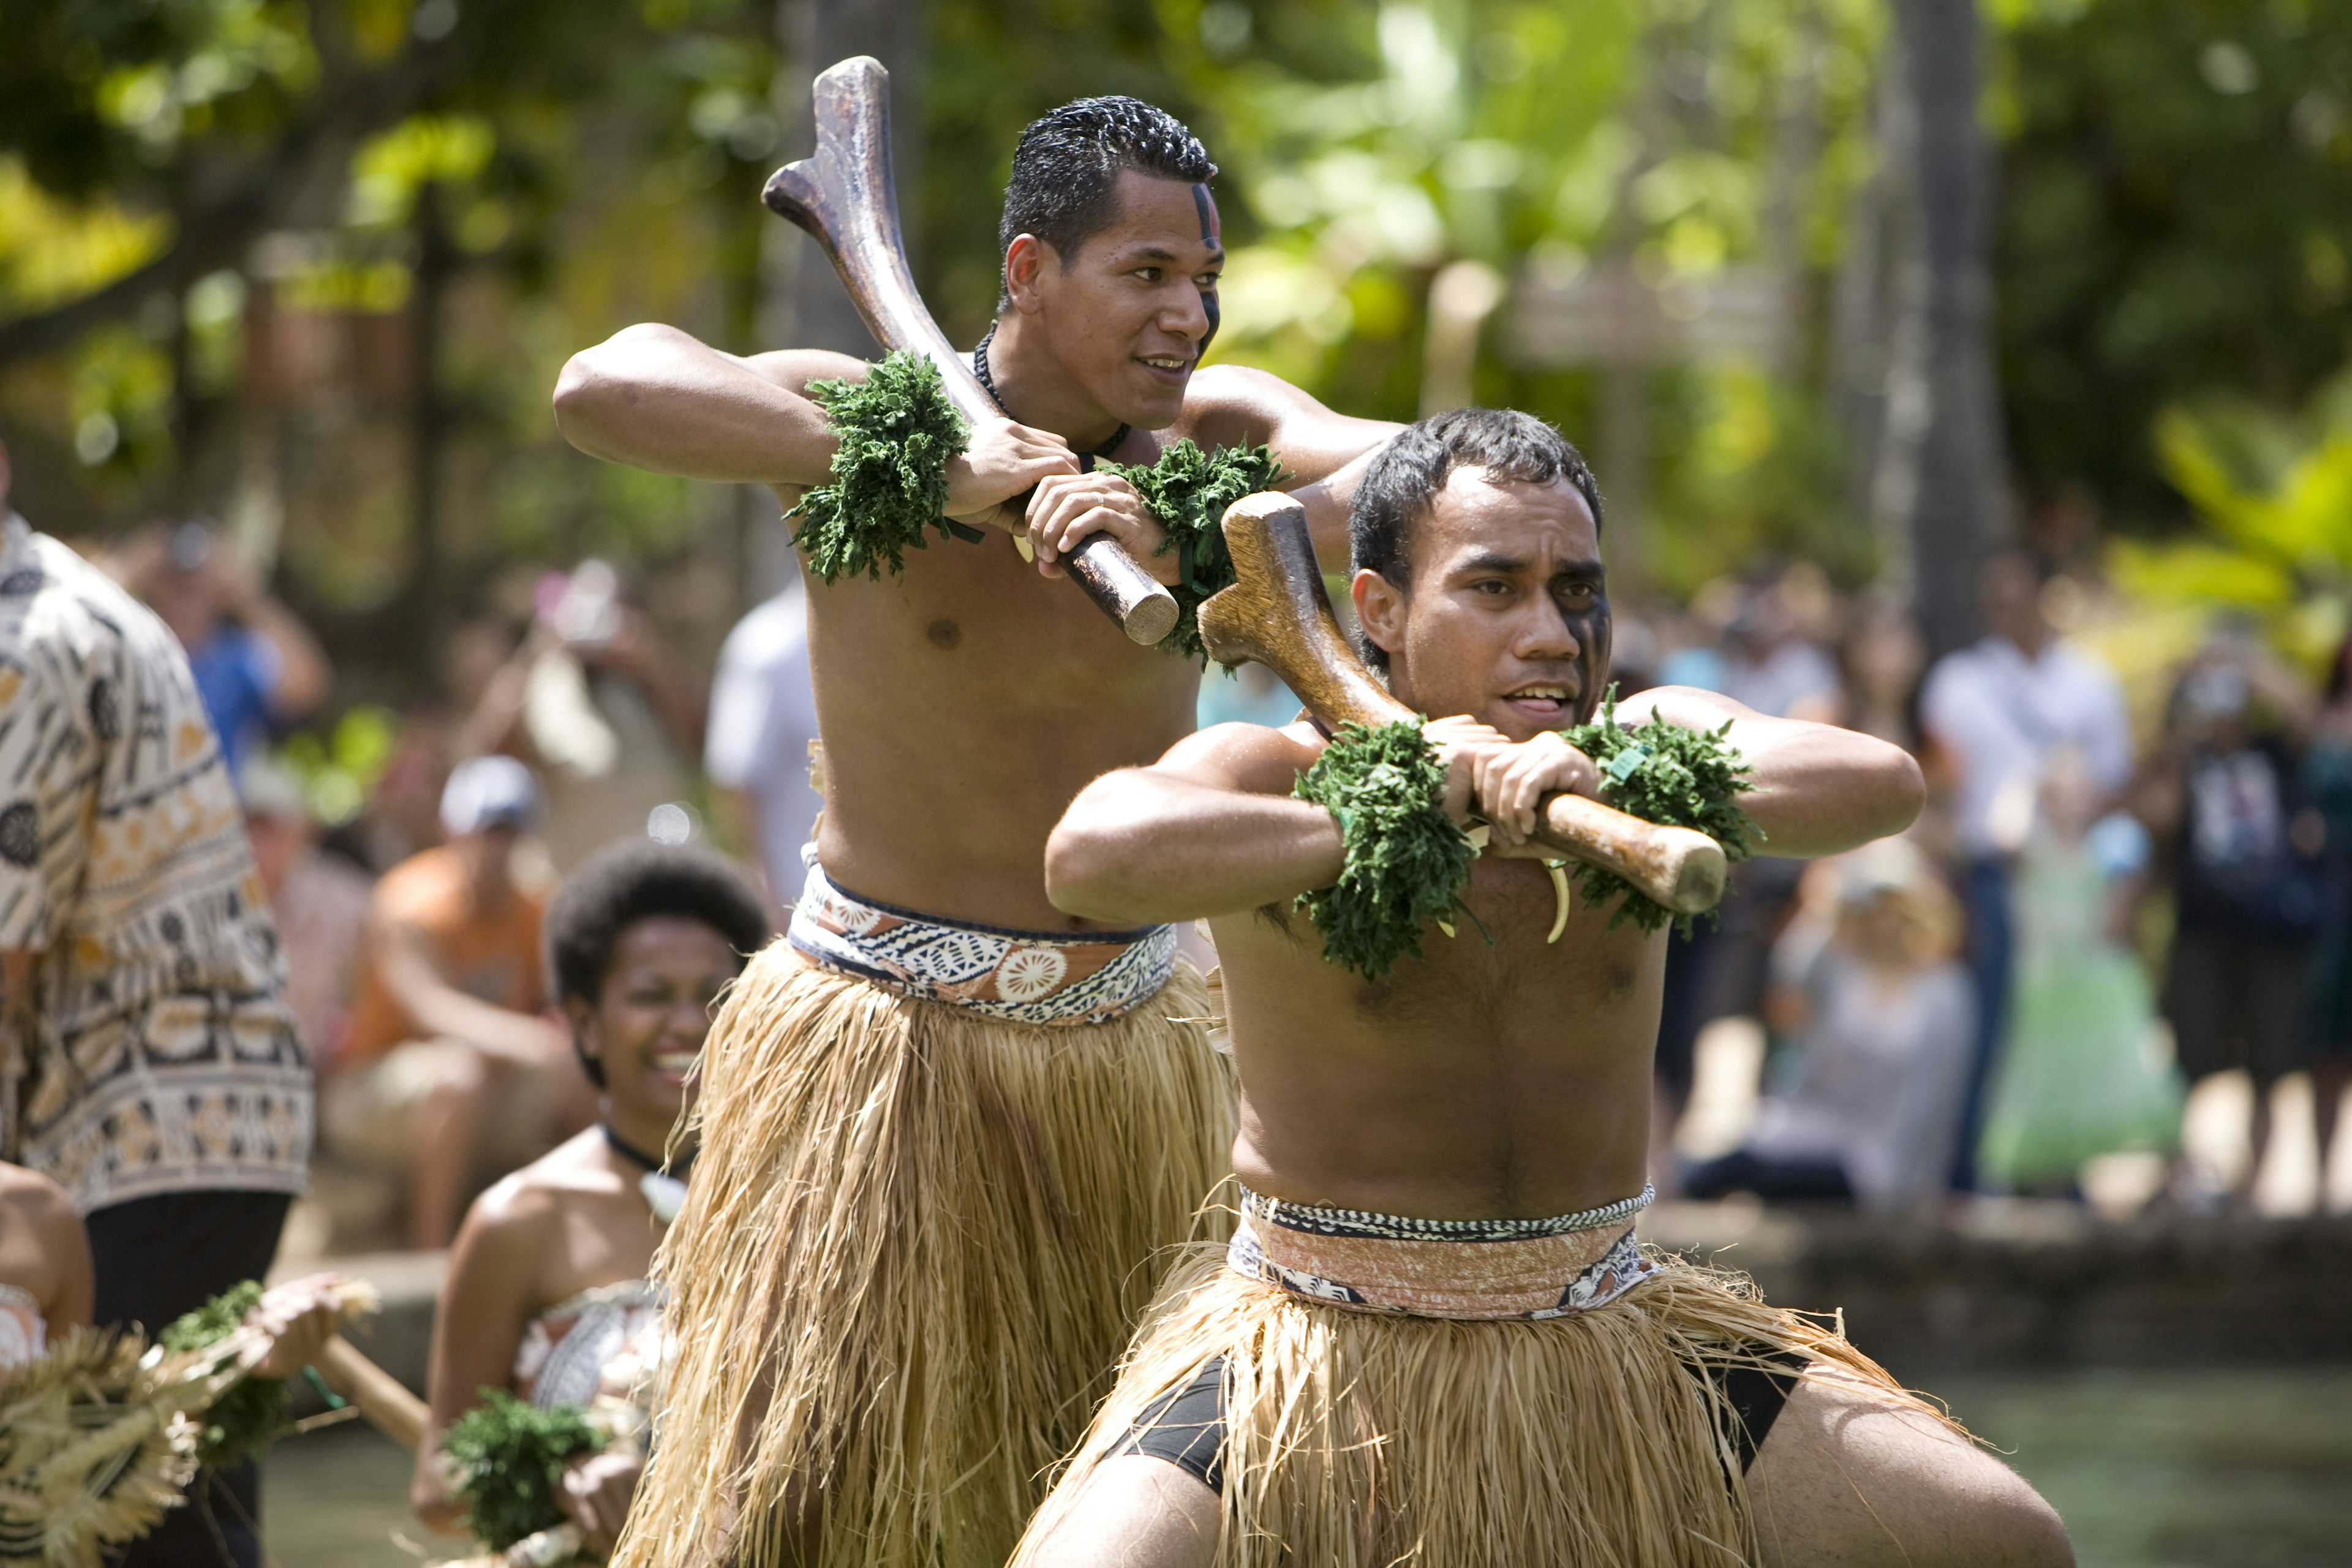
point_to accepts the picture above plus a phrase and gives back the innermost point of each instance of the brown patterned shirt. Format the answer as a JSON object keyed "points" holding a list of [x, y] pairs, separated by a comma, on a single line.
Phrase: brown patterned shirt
{"points": [[157, 1054]]}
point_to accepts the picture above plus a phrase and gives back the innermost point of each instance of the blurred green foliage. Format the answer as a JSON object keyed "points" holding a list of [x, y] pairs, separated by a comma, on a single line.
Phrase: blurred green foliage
{"points": [[2176, 224], [2175, 221]]}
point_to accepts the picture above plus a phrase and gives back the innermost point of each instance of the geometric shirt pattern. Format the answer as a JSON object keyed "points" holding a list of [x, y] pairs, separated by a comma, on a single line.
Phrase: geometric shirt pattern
{"points": [[154, 1052]]}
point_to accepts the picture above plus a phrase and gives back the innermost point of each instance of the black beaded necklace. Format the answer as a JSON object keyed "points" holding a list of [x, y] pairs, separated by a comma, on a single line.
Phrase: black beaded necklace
{"points": [[988, 384], [628, 1151]]}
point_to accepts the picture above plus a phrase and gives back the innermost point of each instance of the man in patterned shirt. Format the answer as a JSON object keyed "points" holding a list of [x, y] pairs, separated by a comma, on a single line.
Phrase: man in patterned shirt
{"points": [[148, 1064]]}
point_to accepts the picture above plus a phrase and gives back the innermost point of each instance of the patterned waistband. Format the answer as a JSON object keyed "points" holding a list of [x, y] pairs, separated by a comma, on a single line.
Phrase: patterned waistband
{"points": [[1027, 978], [1443, 1268]]}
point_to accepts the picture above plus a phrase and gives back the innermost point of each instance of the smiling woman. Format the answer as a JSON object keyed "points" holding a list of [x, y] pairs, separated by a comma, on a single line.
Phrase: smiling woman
{"points": [[547, 1294]]}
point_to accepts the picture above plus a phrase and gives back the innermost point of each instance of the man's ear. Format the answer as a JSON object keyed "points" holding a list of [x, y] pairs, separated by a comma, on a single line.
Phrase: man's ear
{"points": [[583, 1019], [1380, 610], [1025, 262]]}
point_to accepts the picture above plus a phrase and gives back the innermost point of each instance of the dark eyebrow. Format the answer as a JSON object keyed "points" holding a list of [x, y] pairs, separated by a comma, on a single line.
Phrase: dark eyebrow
{"points": [[1488, 561], [1160, 252]]}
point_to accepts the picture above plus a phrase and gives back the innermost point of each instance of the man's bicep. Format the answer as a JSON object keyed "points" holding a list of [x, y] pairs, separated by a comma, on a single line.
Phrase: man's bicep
{"points": [[1238, 758], [795, 369]]}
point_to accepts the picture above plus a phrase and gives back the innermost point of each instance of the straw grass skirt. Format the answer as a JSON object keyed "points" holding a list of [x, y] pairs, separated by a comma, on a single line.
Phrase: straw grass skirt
{"points": [[1358, 1439], [915, 1241]]}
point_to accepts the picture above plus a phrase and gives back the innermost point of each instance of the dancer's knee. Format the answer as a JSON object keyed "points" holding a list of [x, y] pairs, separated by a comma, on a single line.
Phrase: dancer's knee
{"points": [[1136, 1512], [1849, 1478]]}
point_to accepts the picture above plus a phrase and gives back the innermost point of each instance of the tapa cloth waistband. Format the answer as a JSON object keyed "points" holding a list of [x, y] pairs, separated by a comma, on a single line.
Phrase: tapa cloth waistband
{"points": [[1442, 1268], [1028, 977]]}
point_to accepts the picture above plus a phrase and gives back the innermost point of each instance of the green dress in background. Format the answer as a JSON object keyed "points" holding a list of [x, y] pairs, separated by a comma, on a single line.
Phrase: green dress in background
{"points": [[2083, 1072]]}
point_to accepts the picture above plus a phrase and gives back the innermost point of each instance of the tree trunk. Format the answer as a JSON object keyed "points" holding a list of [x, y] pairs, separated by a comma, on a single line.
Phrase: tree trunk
{"points": [[421, 621], [1939, 484]]}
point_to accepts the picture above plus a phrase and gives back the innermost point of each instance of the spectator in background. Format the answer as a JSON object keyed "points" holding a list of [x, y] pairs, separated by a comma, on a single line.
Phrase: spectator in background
{"points": [[2224, 800], [762, 728], [2077, 1078], [2327, 784], [1770, 663], [257, 665], [1997, 711], [1880, 665], [1882, 1020], [147, 1065], [598, 702], [548, 1295], [320, 900], [448, 1048]]}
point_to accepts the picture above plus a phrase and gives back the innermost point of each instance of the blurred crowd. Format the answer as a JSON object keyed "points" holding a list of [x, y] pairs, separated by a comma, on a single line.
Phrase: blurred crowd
{"points": [[2086, 925]]}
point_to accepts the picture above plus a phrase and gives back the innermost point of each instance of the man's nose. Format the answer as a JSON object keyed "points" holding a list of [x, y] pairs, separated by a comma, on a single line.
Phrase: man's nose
{"points": [[1546, 635], [1185, 316]]}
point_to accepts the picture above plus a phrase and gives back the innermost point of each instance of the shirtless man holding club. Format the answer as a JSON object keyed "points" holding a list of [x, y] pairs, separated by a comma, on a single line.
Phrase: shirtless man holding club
{"points": [[946, 1127]]}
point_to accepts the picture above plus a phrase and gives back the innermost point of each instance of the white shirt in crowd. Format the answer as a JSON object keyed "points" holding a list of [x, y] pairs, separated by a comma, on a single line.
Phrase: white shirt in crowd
{"points": [[2001, 717], [762, 718]]}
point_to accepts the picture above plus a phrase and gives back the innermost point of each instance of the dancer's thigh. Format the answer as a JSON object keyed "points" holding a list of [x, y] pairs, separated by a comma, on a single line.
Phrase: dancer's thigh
{"points": [[1136, 1512], [1846, 1479]]}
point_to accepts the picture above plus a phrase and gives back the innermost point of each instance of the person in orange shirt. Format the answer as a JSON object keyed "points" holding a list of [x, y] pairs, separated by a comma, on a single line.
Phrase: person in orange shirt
{"points": [[450, 1023]]}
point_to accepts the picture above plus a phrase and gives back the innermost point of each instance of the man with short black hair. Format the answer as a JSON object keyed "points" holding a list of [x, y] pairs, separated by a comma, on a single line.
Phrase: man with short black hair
{"points": [[1434, 1340], [946, 1129]]}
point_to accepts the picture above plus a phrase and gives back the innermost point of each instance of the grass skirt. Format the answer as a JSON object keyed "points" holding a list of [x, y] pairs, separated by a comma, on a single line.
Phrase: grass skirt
{"points": [[1358, 1439], [915, 1241]]}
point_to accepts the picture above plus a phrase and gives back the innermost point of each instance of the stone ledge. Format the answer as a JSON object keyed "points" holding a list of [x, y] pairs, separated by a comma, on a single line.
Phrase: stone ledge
{"points": [[2017, 1281]]}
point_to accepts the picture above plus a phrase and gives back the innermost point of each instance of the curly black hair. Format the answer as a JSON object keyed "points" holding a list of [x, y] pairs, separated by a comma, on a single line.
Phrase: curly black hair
{"points": [[634, 880], [1065, 169]]}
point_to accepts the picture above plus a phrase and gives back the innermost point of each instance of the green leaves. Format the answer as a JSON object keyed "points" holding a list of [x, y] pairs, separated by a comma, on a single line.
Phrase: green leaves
{"points": [[242, 1422], [1188, 490], [1406, 860], [898, 432], [508, 1456], [1663, 773]]}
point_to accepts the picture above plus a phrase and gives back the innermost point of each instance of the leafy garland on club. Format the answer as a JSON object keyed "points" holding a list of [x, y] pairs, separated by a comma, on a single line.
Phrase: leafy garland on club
{"points": [[1407, 862], [897, 434], [508, 1456], [1665, 774]]}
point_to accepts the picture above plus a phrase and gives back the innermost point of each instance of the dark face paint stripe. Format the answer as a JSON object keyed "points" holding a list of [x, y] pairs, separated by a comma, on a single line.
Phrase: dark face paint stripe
{"points": [[1208, 211]]}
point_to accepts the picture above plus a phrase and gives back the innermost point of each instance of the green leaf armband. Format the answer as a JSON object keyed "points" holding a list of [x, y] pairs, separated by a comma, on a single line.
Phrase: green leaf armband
{"points": [[898, 432], [1663, 773], [1188, 490], [1406, 860], [508, 1458]]}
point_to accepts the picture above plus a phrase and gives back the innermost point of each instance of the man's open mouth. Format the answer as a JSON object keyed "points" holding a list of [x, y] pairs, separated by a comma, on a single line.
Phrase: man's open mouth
{"points": [[1547, 702], [1173, 367]]}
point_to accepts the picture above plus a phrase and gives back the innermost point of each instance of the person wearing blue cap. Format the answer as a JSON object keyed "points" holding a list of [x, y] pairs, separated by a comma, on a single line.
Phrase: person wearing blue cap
{"points": [[449, 1042]]}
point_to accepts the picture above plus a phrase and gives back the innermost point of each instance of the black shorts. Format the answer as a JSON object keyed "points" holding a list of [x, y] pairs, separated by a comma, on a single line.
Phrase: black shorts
{"points": [[1187, 1428], [155, 1258], [2239, 999]]}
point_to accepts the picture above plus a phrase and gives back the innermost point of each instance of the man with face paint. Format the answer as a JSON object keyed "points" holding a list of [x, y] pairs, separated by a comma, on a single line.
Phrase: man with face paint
{"points": [[1433, 1340], [946, 1129]]}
